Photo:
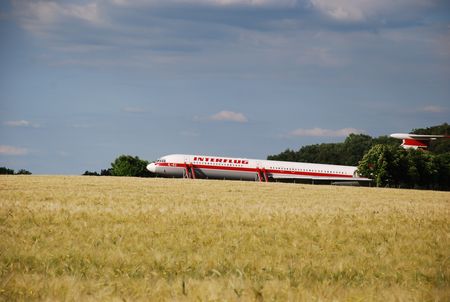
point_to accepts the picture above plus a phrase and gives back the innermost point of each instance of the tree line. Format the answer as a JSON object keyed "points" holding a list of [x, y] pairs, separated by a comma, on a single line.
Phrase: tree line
{"points": [[6, 171], [124, 165], [383, 160], [348, 153]]}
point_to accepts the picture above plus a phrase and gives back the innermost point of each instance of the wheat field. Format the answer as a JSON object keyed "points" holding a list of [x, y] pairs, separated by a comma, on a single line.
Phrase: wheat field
{"points": [[126, 239]]}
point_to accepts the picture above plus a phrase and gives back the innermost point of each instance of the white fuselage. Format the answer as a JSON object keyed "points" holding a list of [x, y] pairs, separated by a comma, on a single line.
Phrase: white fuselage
{"points": [[215, 167]]}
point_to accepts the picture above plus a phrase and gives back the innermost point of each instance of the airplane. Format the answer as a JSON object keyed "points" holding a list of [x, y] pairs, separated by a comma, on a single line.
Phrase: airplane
{"points": [[416, 141], [215, 167]]}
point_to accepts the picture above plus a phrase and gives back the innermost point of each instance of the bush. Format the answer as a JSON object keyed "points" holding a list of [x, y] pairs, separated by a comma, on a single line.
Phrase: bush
{"points": [[127, 165], [89, 173], [23, 172], [4, 170]]}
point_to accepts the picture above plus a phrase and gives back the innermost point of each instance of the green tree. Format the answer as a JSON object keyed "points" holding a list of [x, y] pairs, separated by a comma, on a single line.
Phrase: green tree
{"points": [[386, 140], [379, 164], [438, 146], [323, 153], [105, 172], [330, 153], [397, 167], [90, 173], [400, 168], [4, 170], [23, 172], [349, 152], [309, 153], [443, 129], [354, 148], [286, 155], [421, 168], [127, 165], [441, 178]]}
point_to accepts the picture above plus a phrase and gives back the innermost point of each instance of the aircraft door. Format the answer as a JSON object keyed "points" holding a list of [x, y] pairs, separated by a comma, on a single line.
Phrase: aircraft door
{"points": [[258, 170]]}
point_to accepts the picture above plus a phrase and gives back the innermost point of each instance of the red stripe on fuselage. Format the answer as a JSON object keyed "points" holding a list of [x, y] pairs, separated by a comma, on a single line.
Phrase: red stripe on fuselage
{"points": [[255, 170]]}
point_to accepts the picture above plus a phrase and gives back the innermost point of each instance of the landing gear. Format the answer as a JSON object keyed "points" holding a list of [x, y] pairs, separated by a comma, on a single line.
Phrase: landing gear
{"points": [[189, 171], [262, 175]]}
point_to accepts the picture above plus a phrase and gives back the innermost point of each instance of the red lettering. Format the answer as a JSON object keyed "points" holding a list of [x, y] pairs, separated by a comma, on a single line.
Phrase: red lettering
{"points": [[221, 160]]}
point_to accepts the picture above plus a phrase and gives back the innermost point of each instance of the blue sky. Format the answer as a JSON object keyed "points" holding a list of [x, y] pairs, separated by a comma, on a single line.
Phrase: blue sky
{"points": [[82, 82]]}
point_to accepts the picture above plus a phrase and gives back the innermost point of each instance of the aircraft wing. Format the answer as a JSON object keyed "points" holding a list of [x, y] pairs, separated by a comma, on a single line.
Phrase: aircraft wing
{"points": [[417, 136]]}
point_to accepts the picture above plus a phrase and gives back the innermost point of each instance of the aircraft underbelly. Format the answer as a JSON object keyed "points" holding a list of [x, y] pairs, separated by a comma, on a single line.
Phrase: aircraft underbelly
{"points": [[170, 171], [224, 174], [207, 173]]}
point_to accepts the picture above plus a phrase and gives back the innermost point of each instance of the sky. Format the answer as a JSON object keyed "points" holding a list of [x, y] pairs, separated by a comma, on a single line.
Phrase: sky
{"points": [[82, 82]]}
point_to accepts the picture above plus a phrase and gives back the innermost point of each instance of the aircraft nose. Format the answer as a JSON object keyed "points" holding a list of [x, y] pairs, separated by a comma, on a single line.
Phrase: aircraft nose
{"points": [[151, 167]]}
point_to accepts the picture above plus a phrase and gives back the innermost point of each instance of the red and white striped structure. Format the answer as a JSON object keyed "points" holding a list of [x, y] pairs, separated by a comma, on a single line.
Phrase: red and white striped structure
{"points": [[416, 141]]}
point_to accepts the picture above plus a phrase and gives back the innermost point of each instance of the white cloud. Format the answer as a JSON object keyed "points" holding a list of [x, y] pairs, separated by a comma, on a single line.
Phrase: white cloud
{"points": [[229, 116], [434, 109], [341, 10], [278, 3], [319, 132], [361, 10], [10, 150], [36, 16], [177, 41], [21, 123]]}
